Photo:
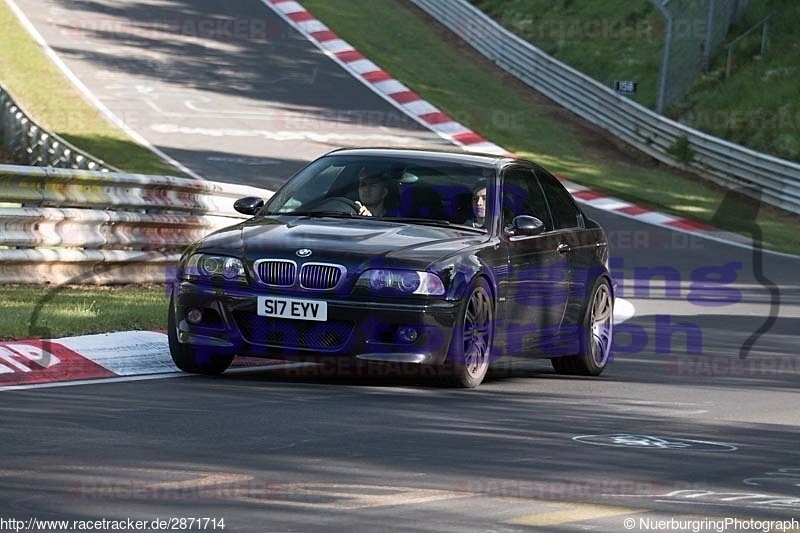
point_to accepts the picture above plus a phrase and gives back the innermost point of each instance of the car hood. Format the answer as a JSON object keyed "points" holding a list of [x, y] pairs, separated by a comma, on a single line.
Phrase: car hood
{"points": [[341, 240]]}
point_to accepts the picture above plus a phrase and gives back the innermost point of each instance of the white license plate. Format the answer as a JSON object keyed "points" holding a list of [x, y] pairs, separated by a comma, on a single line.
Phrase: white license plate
{"points": [[293, 308]]}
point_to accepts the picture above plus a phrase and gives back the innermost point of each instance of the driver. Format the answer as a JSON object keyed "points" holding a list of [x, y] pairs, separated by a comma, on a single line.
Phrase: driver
{"points": [[372, 191]]}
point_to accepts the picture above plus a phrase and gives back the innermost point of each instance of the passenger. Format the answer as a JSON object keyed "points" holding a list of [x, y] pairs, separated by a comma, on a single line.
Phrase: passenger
{"points": [[478, 206]]}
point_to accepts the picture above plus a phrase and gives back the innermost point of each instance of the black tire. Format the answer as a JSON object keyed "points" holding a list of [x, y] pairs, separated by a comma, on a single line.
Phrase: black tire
{"points": [[594, 336], [471, 347], [186, 358]]}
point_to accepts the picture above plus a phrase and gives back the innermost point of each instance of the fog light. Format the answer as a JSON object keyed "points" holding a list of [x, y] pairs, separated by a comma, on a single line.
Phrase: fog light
{"points": [[406, 334], [194, 316]]}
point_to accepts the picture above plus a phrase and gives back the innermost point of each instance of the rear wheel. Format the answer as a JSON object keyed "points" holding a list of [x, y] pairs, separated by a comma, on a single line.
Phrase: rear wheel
{"points": [[471, 347], [595, 335], [189, 358]]}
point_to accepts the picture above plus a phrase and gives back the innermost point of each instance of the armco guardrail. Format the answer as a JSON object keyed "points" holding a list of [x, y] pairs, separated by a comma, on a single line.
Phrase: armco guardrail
{"points": [[774, 180], [88, 227], [32, 145]]}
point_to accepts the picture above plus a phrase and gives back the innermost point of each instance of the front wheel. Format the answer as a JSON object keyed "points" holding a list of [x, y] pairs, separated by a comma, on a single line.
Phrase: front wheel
{"points": [[595, 335], [471, 347], [188, 358]]}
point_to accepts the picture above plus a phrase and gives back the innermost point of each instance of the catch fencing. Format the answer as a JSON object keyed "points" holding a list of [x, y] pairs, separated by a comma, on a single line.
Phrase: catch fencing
{"points": [[774, 180], [694, 31], [62, 226]]}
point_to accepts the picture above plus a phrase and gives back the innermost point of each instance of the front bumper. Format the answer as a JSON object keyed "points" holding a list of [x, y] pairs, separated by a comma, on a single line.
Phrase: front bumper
{"points": [[372, 330]]}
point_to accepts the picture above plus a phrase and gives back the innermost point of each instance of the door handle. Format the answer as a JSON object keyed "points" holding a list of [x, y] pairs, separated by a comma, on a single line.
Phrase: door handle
{"points": [[564, 248]]}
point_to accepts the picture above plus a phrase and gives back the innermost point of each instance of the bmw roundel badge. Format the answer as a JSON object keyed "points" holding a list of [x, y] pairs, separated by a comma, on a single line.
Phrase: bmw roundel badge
{"points": [[303, 252]]}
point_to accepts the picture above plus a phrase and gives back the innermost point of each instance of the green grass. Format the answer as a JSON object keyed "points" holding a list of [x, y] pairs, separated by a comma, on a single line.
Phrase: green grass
{"points": [[53, 312], [414, 51], [40, 88]]}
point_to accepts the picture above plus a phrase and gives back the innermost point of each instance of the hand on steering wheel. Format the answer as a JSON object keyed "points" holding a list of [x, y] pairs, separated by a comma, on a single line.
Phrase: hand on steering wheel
{"points": [[362, 209]]}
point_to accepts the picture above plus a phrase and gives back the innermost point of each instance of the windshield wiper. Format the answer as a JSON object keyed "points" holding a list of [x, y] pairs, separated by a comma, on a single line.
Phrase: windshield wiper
{"points": [[314, 214], [418, 220]]}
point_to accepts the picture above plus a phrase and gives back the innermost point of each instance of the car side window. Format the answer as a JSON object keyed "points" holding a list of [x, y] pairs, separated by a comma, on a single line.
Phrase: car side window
{"points": [[523, 196], [562, 207]]}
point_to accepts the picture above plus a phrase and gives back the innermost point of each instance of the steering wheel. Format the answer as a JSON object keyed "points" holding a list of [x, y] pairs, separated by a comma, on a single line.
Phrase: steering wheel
{"points": [[340, 203], [336, 203]]}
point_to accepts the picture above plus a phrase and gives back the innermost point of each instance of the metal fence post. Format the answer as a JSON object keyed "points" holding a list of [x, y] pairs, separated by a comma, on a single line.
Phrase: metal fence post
{"points": [[708, 45], [661, 5]]}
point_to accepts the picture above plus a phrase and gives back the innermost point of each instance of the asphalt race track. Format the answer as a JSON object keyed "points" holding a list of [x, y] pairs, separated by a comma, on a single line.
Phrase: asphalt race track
{"points": [[696, 419], [248, 103]]}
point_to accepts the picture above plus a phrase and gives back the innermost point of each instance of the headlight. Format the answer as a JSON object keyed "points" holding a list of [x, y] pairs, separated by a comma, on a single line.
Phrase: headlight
{"points": [[214, 266], [381, 280]]}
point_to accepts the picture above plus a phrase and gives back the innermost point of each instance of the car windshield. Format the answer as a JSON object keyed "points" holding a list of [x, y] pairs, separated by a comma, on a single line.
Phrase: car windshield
{"points": [[415, 190]]}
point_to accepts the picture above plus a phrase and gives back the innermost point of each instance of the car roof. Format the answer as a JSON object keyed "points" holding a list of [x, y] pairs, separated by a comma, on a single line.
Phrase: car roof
{"points": [[489, 160]]}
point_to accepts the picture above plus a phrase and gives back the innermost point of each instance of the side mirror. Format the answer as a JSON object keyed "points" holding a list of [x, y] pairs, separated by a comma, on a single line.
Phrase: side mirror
{"points": [[525, 225], [249, 205]]}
